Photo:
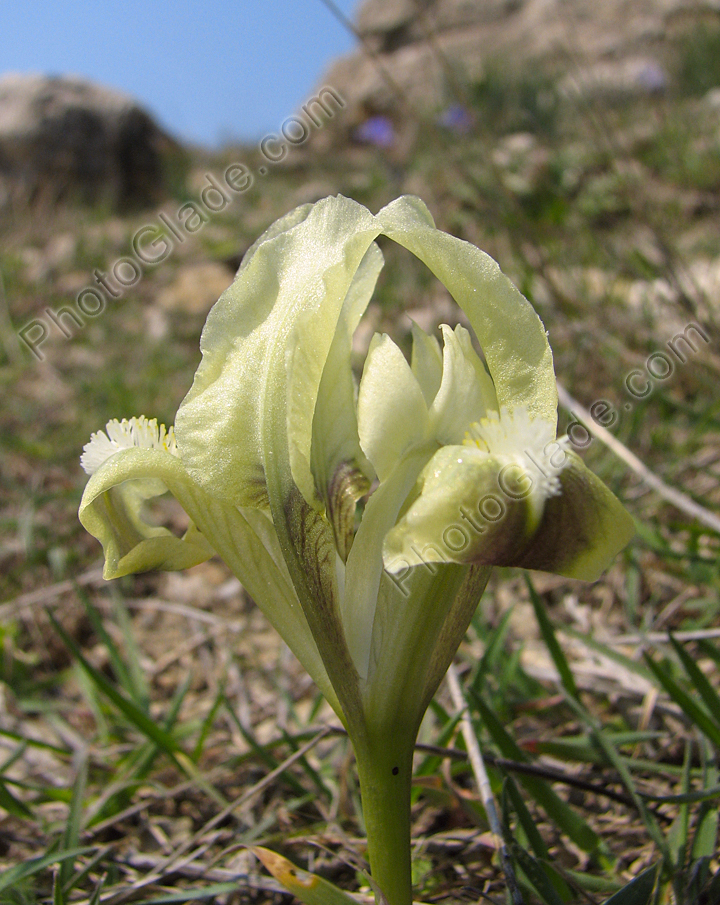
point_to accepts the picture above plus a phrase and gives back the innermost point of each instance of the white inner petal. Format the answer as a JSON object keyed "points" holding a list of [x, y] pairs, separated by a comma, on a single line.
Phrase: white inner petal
{"points": [[140, 432]]}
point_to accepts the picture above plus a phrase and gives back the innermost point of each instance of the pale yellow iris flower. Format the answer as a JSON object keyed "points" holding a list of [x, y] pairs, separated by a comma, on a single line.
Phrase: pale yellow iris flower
{"points": [[453, 455]]}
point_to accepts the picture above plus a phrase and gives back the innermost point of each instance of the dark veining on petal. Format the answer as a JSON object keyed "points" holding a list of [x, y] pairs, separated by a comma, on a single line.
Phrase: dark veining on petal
{"points": [[257, 490], [501, 541], [565, 537], [346, 487], [312, 538], [569, 524]]}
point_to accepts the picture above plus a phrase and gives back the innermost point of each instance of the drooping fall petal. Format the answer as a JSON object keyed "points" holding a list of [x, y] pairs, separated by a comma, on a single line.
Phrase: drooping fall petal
{"points": [[481, 509], [112, 510]]}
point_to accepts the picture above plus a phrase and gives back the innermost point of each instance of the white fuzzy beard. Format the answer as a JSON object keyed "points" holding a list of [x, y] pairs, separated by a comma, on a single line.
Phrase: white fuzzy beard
{"points": [[516, 437], [141, 432]]}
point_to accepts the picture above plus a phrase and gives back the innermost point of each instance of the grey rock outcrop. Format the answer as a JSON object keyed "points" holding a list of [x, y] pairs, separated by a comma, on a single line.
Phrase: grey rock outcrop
{"points": [[423, 49], [66, 137]]}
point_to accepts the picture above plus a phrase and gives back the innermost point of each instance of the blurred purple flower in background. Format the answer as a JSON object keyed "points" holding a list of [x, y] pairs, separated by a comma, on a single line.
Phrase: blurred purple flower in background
{"points": [[457, 118], [378, 131]]}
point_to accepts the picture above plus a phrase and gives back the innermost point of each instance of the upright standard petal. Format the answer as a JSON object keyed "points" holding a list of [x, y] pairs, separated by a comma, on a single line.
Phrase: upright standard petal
{"points": [[511, 335], [392, 412], [426, 363], [265, 345], [466, 392], [341, 470]]}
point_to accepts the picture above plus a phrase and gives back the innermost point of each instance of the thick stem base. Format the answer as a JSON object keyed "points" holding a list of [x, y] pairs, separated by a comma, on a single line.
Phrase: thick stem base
{"points": [[385, 771]]}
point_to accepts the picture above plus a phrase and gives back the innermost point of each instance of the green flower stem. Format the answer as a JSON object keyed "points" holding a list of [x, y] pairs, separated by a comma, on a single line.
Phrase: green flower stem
{"points": [[384, 765]]}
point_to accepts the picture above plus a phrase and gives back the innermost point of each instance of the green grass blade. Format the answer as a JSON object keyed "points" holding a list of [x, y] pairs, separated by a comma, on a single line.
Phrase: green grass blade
{"points": [[117, 661], [316, 707], [582, 748], [262, 751], [13, 757], [710, 794], [692, 710], [491, 653], [176, 704], [139, 718], [86, 869], [536, 875], [525, 818], [73, 826], [58, 897], [33, 742], [315, 777], [603, 885], [206, 726], [711, 651], [195, 894], [35, 865], [136, 674], [713, 890], [637, 892], [618, 763], [571, 823], [95, 897], [512, 794], [608, 651], [430, 764], [548, 633], [94, 701], [12, 804], [677, 836], [705, 840], [699, 681]]}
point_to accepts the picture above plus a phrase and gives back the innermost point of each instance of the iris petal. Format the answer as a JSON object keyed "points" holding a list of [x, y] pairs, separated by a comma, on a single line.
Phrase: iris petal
{"points": [[476, 508], [392, 413], [510, 333], [265, 345]]}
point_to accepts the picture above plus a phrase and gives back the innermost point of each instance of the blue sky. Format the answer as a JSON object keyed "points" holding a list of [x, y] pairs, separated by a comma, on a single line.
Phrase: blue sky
{"points": [[209, 72]]}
